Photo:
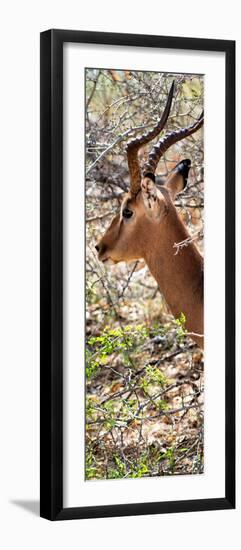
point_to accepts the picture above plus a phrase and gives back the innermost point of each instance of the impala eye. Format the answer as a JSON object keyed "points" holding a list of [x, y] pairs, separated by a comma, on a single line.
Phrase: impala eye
{"points": [[127, 213]]}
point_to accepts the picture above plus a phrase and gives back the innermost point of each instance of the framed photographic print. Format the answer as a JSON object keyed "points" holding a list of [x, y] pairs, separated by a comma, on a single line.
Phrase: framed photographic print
{"points": [[137, 274]]}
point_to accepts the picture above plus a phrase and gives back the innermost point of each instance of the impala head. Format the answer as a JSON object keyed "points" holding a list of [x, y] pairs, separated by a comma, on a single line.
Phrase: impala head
{"points": [[146, 206]]}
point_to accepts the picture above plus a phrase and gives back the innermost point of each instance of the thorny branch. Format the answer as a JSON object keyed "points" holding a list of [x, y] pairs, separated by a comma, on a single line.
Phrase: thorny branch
{"points": [[187, 241]]}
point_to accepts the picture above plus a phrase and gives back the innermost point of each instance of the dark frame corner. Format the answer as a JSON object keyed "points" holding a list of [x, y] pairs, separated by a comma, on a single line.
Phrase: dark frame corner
{"points": [[51, 319]]}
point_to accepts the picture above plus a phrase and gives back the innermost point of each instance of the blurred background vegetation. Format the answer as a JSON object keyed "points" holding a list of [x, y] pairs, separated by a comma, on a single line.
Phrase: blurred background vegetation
{"points": [[144, 376]]}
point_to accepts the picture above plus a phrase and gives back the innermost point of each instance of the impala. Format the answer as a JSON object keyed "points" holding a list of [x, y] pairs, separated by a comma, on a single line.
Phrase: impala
{"points": [[148, 226]]}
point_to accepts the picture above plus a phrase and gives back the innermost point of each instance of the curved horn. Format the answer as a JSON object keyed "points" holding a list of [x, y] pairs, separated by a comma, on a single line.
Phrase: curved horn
{"points": [[161, 147], [134, 145]]}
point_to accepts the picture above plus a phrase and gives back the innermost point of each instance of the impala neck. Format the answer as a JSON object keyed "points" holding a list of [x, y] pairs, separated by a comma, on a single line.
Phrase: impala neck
{"points": [[179, 276]]}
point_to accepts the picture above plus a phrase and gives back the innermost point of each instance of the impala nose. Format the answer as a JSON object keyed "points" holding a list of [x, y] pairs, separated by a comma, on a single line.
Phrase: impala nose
{"points": [[101, 249]]}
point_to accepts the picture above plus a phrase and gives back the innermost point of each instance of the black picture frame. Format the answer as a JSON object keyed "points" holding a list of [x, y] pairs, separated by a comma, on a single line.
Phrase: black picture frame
{"points": [[51, 323]]}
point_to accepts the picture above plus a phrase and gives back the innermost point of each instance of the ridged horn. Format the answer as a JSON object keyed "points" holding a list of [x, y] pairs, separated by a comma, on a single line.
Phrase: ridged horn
{"points": [[165, 142], [134, 145]]}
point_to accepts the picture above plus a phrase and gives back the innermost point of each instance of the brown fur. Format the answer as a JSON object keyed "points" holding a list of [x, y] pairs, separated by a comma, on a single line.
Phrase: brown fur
{"points": [[151, 234]]}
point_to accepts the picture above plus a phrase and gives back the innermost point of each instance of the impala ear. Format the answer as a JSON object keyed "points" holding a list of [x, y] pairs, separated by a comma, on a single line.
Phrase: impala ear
{"points": [[149, 194], [151, 197], [177, 179]]}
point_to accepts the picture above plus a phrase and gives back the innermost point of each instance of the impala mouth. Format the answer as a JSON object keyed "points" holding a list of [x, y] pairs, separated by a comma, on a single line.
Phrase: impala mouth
{"points": [[108, 261]]}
